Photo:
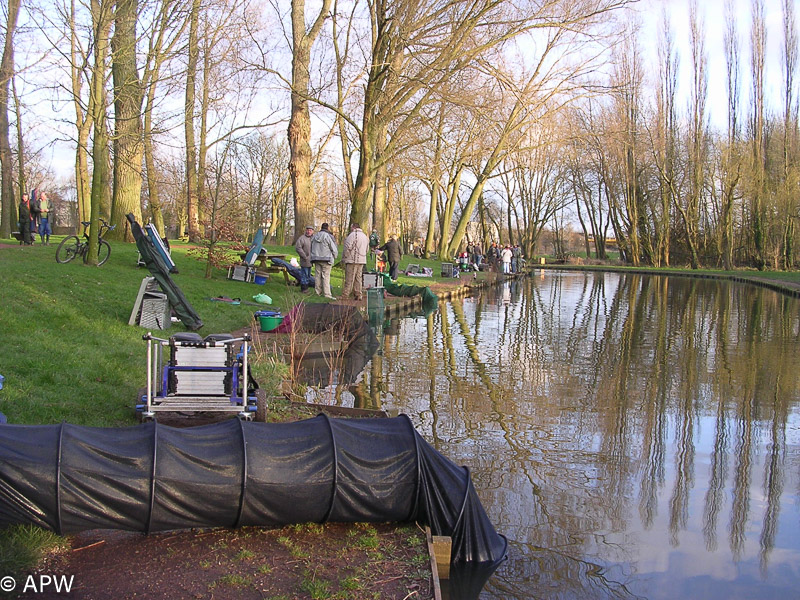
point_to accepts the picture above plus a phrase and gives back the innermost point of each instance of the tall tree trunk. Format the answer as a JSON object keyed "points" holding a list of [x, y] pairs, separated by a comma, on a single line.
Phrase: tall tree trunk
{"points": [[362, 191], [758, 211], [128, 141], [153, 196], [7, 167], [453, 188], [101, 26], [731, 167], [299, 131], [23, 179], [379, 213], [192, 186], [434, 187], [83, 123], [789, 204]]}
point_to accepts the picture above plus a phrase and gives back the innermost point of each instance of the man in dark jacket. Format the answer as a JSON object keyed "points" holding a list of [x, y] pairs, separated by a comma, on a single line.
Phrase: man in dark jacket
{"points": [[393, 254], [25, 220]]}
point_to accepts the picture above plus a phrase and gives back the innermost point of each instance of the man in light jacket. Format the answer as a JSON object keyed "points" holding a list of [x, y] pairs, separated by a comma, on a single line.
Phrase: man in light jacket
{"points": [[324, 252], [354, 257], [303, 247]]}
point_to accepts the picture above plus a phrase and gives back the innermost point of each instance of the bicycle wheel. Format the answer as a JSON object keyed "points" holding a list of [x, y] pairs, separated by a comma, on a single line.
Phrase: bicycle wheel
{"points": [[68, 249], [103, 252]]}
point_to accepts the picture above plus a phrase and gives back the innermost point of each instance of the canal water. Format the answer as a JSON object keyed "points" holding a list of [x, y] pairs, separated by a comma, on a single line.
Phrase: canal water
{"points": [[633, 436]]}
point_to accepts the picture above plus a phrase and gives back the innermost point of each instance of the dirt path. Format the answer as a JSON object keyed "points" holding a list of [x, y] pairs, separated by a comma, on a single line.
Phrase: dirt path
{"points": [[357, 561]]}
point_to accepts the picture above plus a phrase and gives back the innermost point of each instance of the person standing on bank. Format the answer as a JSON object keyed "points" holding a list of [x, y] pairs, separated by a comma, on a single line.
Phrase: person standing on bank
{"points": [[393, 253], [34, 208], [324, 253], [354, 258], [45, 230], [477, 255], [303, 247], [25, 220], [505, 257]]}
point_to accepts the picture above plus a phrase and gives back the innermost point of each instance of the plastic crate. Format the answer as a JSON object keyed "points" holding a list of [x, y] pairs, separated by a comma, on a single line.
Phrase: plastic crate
{"points": [[372, 280], [155, 313]]}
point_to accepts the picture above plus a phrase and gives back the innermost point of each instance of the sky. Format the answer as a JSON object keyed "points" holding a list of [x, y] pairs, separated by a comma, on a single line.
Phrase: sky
{"points": [[713, 12], [650, 12]]}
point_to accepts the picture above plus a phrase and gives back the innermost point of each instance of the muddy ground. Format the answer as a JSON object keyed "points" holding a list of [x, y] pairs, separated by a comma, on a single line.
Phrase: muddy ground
{"points": [[356, 561]]}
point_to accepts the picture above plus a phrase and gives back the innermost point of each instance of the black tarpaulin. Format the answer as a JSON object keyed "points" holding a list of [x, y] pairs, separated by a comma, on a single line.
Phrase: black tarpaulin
{"points": [[149, 478]]}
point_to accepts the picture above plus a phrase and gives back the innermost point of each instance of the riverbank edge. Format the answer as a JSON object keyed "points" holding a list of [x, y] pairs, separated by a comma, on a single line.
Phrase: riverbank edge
{"points": [[756, 278], [399, 306]]}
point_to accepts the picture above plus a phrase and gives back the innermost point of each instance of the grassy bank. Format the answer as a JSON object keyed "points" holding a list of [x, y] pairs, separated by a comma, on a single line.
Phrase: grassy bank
{"points": [[68, 352], [786, 280]]}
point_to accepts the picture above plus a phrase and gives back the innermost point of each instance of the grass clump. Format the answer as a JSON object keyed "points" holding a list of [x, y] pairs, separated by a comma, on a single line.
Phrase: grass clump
{"points": [[316, 588], [235, 580], [24, 545]]}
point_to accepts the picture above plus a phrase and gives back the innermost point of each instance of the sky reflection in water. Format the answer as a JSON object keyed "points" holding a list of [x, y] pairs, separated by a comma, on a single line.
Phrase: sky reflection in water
{"points": [[633, 436]]}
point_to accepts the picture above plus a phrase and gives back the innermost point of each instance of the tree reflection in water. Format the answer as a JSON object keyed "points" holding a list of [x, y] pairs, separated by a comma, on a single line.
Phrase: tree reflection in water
{"points": [[618, 429]]}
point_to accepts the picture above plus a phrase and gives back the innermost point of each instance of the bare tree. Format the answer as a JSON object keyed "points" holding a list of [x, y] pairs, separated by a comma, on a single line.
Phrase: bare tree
{"points": [[299, 132], [79, 61], [665, 143], [170, 23], [6, 74], [192, 179], [758, 214], [730, 161], [541, 186], [690, 211], [789, 202], [101, 27], [416, 48], [128, 97]]}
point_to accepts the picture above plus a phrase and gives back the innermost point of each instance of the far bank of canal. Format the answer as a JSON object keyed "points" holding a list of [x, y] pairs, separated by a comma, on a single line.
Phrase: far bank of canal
{"points": [[633, 435]]}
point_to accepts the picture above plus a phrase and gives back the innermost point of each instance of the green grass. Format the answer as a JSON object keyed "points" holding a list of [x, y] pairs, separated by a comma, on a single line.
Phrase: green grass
{"points": [[24, 545], [68, 352], [235, 580], [792, 277], [245, 555], [316, 588]]}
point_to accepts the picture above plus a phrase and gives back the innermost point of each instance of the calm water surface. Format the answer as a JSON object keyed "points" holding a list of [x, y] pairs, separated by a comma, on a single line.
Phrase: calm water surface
{"points": [[632, 436]]}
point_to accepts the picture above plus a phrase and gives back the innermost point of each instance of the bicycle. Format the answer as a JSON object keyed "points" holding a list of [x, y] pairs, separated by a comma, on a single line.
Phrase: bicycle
{"points": [[72, 246]]}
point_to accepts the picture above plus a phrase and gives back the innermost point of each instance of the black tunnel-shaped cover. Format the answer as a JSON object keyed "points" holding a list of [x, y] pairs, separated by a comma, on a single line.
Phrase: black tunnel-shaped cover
{"points": [[149, 478]]}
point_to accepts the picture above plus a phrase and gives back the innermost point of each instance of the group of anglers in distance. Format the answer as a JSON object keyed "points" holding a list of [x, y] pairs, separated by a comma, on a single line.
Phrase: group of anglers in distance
{"points": [[507, 258], [34, 217]]}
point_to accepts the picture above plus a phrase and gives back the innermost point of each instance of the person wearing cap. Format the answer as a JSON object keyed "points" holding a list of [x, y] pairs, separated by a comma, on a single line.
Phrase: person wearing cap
{"points": [[324, 253], [303, 247]]}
